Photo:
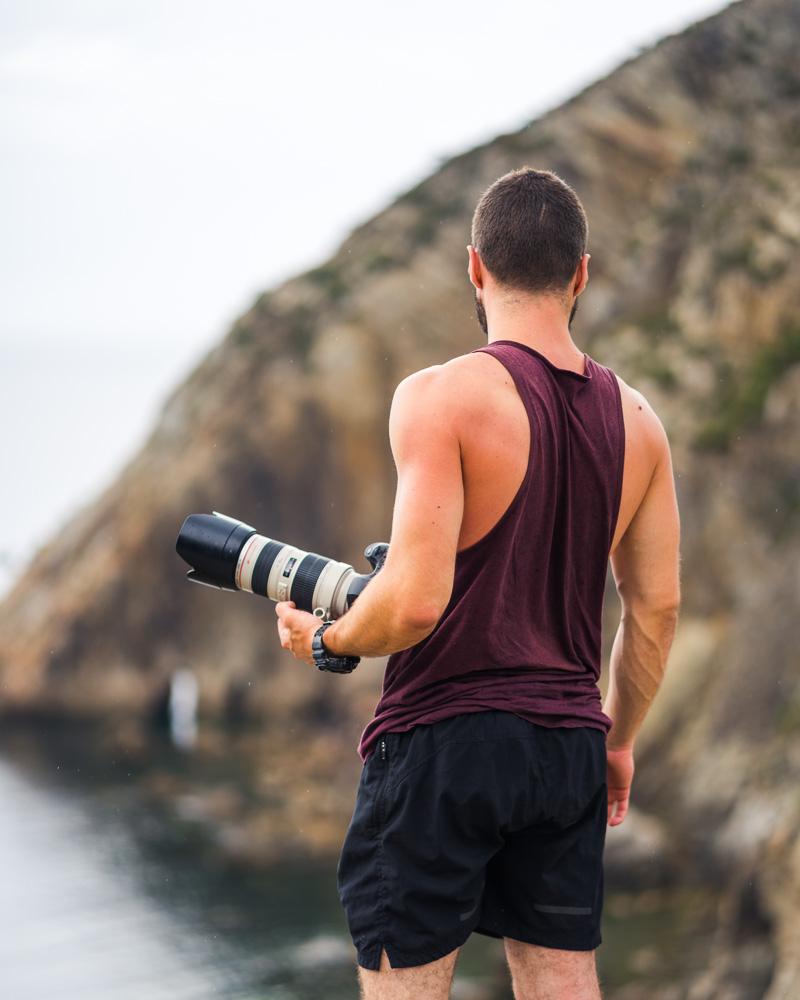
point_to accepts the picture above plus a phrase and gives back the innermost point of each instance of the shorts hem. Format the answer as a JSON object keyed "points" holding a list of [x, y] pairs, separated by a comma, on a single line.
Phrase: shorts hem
{"points": [[545, 939], [370, 957]]}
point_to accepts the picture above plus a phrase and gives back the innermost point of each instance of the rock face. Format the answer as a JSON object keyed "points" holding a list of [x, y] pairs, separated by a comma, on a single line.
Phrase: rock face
{"points": [[687, 159]]}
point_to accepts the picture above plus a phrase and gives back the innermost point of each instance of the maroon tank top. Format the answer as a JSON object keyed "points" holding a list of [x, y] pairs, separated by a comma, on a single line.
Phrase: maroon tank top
{"points": [[522, 629]]}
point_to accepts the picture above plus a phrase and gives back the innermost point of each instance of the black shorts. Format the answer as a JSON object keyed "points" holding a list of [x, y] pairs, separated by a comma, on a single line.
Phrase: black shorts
{"points": [[481, 822]]}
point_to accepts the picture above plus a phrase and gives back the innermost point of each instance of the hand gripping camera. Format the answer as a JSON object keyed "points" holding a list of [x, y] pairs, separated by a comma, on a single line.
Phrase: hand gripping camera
{"points": [[231, 555]]}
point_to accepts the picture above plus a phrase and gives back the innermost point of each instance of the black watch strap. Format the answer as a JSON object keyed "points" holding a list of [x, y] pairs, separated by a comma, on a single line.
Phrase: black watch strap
{"points": [[325, 660]]}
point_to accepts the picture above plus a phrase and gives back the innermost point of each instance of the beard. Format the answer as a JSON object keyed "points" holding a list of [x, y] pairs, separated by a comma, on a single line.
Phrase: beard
{"points": [[572, 312], [480, 312]]}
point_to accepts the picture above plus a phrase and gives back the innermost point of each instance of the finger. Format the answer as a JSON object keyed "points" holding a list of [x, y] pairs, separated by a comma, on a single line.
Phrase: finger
{"points": [[620, 810], [289, 615]]}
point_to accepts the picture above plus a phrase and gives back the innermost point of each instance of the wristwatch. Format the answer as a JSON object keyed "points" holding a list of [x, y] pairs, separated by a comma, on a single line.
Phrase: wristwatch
{"points": [[325, 660]]}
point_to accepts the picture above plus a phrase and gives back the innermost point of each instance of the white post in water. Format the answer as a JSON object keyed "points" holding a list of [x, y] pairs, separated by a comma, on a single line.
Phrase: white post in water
{"points": [[183, 697]]}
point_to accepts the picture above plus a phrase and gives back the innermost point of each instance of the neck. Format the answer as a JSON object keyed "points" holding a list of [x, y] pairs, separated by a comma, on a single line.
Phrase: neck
{"points": [[542, 325]]}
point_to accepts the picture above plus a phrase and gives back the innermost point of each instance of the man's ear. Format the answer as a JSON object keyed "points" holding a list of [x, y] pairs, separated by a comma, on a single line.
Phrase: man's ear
{"points": [[475, 267], [581, 275]]}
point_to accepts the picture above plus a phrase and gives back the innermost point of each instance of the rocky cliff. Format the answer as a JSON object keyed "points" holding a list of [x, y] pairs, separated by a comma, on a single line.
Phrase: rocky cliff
{"points": [[687, 159]]}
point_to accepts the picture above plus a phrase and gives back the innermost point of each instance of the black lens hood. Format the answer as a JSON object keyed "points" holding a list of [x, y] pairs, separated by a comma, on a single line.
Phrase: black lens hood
{"points": [[211, 544]]}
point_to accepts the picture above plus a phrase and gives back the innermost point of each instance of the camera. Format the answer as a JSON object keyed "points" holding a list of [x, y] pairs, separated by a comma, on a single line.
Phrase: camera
{"points": [[230, 555]]}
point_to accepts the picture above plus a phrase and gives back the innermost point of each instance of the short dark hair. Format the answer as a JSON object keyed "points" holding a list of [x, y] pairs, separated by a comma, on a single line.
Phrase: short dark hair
{"points": [[530, 230]]}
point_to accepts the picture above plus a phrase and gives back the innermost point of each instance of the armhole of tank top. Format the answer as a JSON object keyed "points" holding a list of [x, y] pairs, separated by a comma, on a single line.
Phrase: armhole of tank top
{"points": [[621, 458], [528, 468]]}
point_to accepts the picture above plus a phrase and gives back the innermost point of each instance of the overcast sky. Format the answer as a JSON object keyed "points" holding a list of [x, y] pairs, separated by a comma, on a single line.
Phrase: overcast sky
{"points": [[161, 161]]}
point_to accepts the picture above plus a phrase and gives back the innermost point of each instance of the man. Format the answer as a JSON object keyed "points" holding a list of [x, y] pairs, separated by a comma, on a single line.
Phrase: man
{"points": [[491, 768]]}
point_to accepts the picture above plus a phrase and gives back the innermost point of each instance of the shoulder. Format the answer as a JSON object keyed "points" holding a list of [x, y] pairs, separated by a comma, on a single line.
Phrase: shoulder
{"points": [[422, 404], [452, 384], [641, 419], [460, 391], [426, 386]]}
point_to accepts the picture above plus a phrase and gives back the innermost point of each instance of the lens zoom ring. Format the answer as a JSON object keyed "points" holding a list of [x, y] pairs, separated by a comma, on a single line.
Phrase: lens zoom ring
{"points": [[305, 580], [266, 558]]}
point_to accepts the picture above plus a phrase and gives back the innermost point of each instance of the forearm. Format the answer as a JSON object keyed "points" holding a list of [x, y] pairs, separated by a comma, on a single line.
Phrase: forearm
{"points": [[378, 623], [638, 661]]}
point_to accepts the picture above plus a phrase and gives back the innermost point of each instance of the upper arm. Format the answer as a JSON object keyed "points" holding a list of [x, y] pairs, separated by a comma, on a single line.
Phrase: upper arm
{"points": [[429, 503], [646, 561]]}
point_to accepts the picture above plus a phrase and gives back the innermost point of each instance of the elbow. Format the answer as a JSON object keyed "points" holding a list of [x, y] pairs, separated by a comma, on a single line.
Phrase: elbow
{"points": [[664, 607], [419, 620], [418, 606]]}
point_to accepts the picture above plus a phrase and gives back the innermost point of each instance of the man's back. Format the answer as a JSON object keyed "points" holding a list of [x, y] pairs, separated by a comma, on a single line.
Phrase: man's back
{"points": [[492, 425], [542, 448]]}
